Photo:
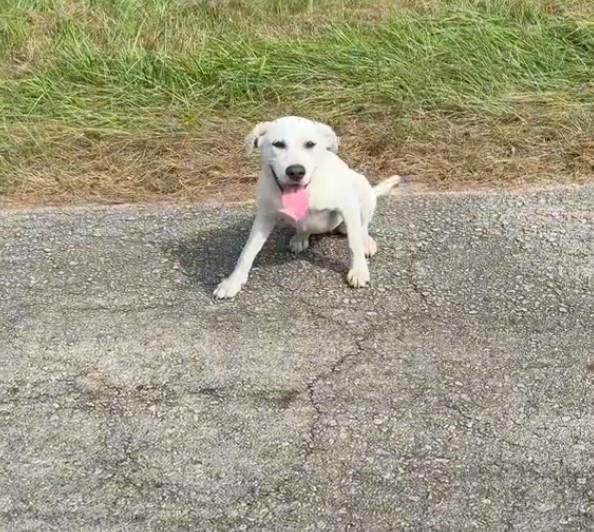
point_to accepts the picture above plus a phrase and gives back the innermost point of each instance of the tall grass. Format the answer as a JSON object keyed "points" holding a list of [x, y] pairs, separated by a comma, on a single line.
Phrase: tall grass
{"points": [[107, 69]]}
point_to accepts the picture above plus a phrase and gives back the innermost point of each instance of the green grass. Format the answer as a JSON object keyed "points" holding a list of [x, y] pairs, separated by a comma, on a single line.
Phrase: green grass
{"points": [[112, 86]]}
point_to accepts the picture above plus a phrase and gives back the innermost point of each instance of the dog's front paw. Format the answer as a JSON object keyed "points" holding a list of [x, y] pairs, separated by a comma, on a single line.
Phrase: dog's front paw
{"points": [[358, 277], [299, 243], [228, 288]]}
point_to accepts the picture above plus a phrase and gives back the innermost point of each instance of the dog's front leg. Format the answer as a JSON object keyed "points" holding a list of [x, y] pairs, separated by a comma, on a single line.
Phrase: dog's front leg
{"points": [[358, 275], [261, 229]]}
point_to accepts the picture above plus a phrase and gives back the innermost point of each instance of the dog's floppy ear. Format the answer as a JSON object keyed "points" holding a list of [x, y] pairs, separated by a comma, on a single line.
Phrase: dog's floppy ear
{"points": [[330, 137], [252, 141]]}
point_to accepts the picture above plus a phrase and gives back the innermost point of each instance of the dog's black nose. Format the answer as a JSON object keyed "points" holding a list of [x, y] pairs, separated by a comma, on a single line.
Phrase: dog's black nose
{"points": [[295, 172]]}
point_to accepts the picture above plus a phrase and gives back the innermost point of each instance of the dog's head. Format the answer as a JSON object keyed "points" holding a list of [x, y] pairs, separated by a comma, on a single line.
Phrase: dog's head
{"points": [[291, 148]]}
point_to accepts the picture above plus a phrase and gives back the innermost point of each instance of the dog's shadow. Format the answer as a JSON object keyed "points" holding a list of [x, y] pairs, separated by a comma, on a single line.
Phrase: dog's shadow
{"points": [[212, 253]]}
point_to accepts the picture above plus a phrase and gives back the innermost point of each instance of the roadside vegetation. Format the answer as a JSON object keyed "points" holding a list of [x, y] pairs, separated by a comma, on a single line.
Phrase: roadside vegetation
{"points": [[124, 100]]}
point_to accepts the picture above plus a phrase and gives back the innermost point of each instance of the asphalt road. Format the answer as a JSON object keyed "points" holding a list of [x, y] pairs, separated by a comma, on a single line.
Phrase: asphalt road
{"points": [[454, 394]]}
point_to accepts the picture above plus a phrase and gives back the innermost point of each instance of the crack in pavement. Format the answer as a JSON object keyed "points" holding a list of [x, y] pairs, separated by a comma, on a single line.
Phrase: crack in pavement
{"points": [[359, 349], [310, 449], [264, 430]]}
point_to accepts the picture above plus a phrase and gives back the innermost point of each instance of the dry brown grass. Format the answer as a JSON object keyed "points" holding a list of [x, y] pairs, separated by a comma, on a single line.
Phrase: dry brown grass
{"points": [[209, 165]]}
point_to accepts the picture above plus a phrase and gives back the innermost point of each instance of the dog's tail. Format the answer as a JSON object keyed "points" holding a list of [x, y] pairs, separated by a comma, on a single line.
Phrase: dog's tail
{"points": [[383, 187]]}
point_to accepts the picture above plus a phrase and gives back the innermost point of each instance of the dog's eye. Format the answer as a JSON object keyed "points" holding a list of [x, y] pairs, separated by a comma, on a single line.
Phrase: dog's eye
{"points": [[279, 144], [310, 144]]}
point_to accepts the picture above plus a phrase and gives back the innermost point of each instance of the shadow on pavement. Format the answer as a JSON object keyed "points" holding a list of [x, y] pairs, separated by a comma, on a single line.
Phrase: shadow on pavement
{"points": [[211, 254]]}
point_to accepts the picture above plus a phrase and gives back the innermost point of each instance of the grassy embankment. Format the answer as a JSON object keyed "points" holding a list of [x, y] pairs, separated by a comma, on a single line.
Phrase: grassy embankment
{"points": [[122, 100]]}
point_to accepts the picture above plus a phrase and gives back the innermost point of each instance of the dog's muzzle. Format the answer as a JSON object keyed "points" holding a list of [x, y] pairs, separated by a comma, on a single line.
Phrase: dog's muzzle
{"points": [[299, 173]]}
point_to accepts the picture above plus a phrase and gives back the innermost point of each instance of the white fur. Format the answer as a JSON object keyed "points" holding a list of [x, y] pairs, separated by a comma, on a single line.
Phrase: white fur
{"points": [[340, 198]]}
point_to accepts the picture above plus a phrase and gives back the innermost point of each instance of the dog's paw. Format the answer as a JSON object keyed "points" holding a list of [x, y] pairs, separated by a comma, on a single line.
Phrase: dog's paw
{"points": [[358, 278], [299, 243], [370, 247], [228, 288]]}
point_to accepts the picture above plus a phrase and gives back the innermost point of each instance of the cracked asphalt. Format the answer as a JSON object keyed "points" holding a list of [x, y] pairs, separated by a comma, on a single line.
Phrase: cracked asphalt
{"points": [[456, 393]]}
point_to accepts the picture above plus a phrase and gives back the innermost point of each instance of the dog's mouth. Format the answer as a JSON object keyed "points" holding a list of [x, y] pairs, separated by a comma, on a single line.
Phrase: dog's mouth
{"points": [[294, 199]]}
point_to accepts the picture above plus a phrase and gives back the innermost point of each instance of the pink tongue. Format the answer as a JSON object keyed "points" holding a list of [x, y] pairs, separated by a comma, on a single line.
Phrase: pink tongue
{"points": [[295, 203]]}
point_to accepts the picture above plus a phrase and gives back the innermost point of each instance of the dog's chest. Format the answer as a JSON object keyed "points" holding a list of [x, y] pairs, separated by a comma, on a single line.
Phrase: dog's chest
{"points": [[318, 222]]}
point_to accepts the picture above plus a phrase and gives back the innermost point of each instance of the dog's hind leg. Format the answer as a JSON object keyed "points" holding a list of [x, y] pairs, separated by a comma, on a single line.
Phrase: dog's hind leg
{"points": [[299, 241], [370, 246]]}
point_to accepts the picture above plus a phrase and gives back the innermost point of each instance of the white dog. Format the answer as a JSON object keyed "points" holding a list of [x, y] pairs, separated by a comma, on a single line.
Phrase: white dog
{"points": [[305, 182]]}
